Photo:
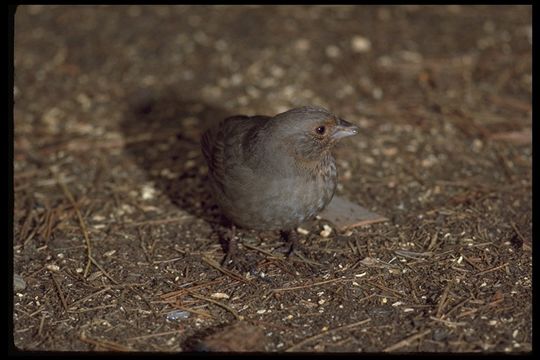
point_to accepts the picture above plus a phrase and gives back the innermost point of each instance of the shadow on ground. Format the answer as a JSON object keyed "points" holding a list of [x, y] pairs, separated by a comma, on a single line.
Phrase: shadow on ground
{"points": [[162, 131]]}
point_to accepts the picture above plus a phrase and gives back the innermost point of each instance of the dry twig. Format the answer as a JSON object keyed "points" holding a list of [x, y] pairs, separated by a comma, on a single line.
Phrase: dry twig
{"points": [[84, 230], [60, 293], [220, 304]]}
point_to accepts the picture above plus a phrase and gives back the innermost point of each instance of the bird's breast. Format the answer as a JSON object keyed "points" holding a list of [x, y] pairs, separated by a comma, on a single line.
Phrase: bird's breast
{"points": [[266, 201]]}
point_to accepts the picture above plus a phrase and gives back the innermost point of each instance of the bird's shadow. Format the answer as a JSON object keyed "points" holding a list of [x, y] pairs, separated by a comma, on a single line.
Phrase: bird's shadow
{"points": [[162, 130]]}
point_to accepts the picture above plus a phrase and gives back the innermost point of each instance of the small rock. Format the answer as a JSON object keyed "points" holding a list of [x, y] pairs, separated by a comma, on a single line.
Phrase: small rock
{"points": [[360, 44], [302, 231], [178, 315], [327, 230], [333, 51], [53, 267], [219, 295], [377, 93], [18, 283], [109, 253]]}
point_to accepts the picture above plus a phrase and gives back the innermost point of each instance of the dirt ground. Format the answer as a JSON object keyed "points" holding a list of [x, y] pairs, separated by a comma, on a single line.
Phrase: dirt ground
{"points": [[116, 244]]}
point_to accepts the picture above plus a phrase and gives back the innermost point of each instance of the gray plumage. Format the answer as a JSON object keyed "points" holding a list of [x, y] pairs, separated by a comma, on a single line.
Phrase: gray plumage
{"points": [[273, 173]]}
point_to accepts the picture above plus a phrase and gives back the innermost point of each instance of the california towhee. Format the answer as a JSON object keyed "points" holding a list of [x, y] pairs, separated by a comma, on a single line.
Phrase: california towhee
{"points": [[273, 173]]}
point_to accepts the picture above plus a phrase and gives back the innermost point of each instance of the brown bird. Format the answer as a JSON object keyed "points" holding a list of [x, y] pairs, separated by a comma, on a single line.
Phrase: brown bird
{"points": [[273, 173]]}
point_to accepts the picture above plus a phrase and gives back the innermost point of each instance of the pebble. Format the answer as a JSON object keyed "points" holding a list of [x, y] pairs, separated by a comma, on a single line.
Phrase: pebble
{"points": [[377, 93], [327, 230], [18, 283], [332, 51], [53, 267], [109, 253], [178, 315], [360, 44], [84, 100], [302, 231], [219, 295], [148, 192]]}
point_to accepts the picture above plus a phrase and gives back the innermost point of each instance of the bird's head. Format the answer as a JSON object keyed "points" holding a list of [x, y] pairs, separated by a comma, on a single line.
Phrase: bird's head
{"points": [[311, 131]]}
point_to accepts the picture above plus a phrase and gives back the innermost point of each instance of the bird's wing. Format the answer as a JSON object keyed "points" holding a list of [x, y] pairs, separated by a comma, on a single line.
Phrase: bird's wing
{"points": [[216, 141]]}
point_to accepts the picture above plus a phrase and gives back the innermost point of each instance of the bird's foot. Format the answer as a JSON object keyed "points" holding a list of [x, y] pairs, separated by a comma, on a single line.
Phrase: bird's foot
{"points": [[292, 245], [233, 259]]}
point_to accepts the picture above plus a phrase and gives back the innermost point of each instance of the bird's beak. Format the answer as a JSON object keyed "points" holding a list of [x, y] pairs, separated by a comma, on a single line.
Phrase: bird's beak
{"points": [[344, 129]]}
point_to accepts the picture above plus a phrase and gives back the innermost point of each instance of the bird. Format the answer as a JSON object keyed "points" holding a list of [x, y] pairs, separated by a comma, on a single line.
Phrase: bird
{"points": [[274, 172]]}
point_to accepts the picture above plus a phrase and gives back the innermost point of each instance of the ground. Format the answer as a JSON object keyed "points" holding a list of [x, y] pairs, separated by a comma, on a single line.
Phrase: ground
{"points": [[116, 240]]}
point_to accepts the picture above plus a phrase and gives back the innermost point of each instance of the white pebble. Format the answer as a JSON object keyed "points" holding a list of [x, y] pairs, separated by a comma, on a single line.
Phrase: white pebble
{"points": [[360, 44], [326, 232], [110, 253], [302, 231], [53, 267], [219, 295]]}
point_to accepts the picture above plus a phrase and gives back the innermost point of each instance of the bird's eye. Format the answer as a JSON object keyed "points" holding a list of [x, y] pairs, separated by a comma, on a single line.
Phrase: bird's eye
{"points": [[320, 130]]}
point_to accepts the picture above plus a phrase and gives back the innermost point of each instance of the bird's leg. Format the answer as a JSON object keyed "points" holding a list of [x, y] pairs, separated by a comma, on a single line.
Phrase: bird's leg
{"points": [[232, 245], [233, 259], [291, 240]]}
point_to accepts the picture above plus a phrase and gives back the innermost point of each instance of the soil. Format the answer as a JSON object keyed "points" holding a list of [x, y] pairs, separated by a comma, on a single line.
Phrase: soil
{"points": [[116, 240]]}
